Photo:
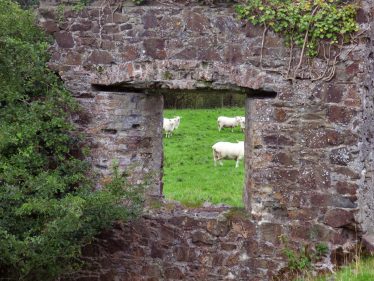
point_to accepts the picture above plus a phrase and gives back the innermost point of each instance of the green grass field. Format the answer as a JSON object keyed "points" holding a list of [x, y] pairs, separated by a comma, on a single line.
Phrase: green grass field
{"points": [[189, 174]]}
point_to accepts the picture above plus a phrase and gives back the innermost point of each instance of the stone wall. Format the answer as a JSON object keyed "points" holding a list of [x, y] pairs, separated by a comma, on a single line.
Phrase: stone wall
{"points": [[366, 191], [178, 244], [308, 144]]}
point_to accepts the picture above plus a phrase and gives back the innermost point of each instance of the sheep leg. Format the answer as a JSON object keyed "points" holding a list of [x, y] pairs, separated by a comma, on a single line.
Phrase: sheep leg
{"points": [[214, 158], [220, 160], [237, 163]]}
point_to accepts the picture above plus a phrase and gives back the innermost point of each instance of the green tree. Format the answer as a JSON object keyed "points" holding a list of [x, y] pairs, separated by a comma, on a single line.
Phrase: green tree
{"points": [[48, 209]]}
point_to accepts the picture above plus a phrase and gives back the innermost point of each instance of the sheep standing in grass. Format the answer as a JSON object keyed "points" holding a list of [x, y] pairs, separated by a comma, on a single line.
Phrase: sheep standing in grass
{"points": [[228, 150], [227, 122], [177, 120], [168, 126], [241, 121]]}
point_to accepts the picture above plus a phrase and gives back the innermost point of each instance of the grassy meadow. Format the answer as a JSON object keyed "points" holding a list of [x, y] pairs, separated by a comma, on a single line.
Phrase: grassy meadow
{"points": [[189, 173]]}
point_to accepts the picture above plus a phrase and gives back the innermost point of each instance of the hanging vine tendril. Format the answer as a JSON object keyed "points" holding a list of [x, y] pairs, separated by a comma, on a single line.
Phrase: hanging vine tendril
{"points": [[315, 31]]}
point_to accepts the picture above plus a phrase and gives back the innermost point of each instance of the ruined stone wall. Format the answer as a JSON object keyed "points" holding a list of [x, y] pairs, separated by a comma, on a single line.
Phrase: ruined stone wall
{"points": [[308, 149], [366, 192]]}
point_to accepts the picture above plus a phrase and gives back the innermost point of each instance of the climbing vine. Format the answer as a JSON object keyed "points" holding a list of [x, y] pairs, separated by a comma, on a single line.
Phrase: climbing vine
{"points": [[315, 32]]}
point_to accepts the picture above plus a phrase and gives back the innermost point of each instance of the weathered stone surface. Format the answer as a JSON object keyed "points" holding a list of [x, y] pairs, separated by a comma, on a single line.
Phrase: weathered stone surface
{"points": [[64, 39], [338, 218], [155, 48], [202, 237], [100, 57], [340, 156], [368, 242]]}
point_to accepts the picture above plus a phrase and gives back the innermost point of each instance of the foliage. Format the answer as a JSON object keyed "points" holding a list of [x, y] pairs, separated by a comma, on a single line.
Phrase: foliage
{"points": [[28, 3], [315, 26], [189, 174], [361, 270], [48, 210], [138, 2], [302, 260], [203, 100]]}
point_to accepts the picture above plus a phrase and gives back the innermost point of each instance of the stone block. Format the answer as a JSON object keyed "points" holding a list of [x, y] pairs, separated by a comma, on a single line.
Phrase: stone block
{"points": [[202, 238], [100, 57], [155, 48], [340, 156], [338, 218], [64, 39]]}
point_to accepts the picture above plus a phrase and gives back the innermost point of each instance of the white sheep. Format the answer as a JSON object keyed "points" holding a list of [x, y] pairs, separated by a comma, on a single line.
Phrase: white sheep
{"points": [[168, 126], [241, 120], [177, 120], [227, 122], [228, 150]]}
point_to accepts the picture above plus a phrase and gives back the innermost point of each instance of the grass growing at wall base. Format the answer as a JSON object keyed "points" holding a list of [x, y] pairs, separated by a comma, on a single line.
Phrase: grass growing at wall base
{"points": [[189, 174], [362, 270]]}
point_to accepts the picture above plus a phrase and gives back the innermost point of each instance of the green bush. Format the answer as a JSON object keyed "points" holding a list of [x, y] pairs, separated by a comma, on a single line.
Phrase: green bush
{"points": [[48, 209]]}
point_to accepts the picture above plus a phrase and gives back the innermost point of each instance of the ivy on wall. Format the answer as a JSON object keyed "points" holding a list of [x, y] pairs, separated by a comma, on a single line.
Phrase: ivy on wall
{"points": [[310, 28]]}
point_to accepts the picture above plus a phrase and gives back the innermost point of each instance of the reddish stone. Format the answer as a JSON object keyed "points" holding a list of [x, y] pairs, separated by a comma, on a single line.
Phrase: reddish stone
{"points": [[110, 28], [50, 26], [286, 174], [182, 253], [155, 48], [73, 58], [302, 214], [232, 260], [333, 200], [301, 231], [174, 273], [189, 53], [64, 39], [130, 53], [278, 140], [201, 237], [149, 20], [228, 246], [217, 227], [270, 232], [283, 159], [233, 54], [251, 247], [82, 26], [353, 68], [196, 22], [218, 259], [334, 93], [100, 57], [348, 172], [338, 114], [338, 218], [152, 270], [333, 138], [368, 243], [361, 16], [209, 54], [346, 188], [157, 251], [107, 45], [280, 115]]}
